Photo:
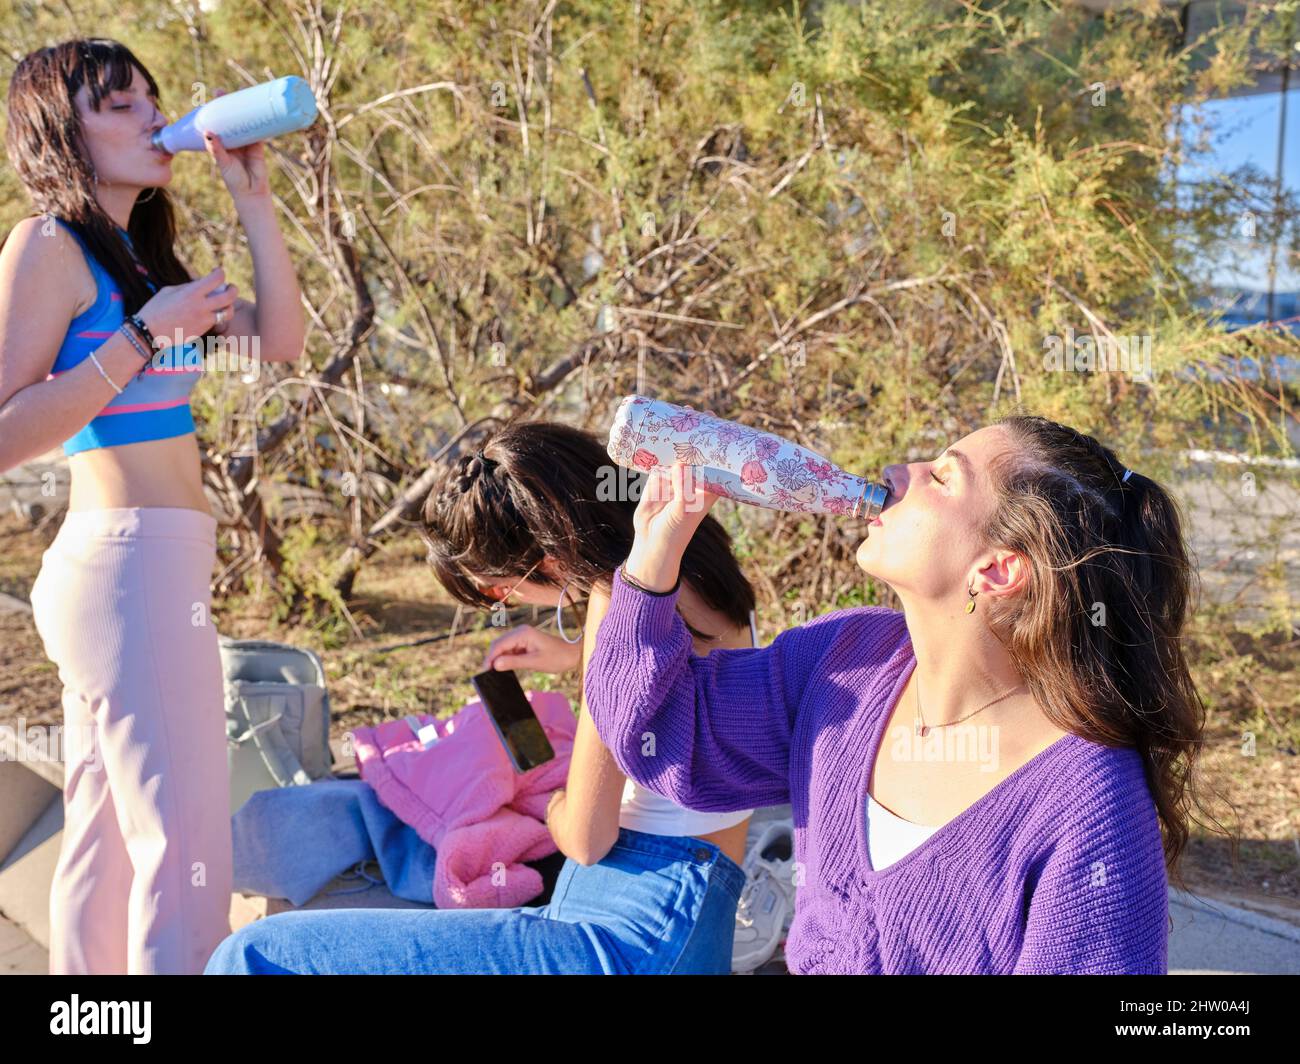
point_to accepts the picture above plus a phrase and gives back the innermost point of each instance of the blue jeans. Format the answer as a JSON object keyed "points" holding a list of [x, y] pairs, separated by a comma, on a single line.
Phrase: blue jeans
{"points": [[654, 905]]}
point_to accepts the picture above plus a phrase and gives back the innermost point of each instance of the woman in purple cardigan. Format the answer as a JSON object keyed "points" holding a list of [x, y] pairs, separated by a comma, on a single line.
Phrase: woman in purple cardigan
{"points": [[994, 779]]}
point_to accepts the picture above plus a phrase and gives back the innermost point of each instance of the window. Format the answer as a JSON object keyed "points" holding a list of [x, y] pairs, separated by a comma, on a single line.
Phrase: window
{"points": [[1242, 166]]}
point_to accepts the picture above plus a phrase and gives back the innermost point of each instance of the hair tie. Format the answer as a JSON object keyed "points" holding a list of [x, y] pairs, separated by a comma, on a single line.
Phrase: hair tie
{"points": [[469, 468], [1127, 473], [472, 467]]}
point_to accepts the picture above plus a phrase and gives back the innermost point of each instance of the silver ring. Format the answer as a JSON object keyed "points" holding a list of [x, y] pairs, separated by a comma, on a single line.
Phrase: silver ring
{"points": [[219, 318]]}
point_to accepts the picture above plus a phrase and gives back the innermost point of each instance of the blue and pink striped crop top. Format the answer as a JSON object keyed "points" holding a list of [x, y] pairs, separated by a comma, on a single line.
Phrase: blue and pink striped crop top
{"points": [[155, 404]]}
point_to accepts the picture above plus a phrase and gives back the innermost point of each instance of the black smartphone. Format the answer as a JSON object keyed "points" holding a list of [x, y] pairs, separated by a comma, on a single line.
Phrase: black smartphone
{"points": [[514, 719]]}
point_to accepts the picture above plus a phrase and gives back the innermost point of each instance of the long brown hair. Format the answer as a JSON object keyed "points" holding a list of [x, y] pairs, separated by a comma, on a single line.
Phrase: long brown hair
{"points": [[46, 146], [539, 488], [1097, 633]]}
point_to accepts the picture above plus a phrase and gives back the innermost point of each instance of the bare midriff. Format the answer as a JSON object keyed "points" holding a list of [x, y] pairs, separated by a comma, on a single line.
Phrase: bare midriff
{"points": [[164, 473], [730, 841]]}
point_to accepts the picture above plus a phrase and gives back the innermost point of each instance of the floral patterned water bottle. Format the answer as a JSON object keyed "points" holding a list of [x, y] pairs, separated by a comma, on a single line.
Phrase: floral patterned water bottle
{"points": [[736, 461]]}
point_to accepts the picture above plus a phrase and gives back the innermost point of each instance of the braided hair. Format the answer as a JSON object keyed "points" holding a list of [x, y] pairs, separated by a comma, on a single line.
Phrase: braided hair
{"points": [[535, 490]]}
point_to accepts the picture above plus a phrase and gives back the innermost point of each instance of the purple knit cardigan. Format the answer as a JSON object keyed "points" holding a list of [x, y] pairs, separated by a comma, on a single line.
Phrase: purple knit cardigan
{"points": [[1058, 869]]}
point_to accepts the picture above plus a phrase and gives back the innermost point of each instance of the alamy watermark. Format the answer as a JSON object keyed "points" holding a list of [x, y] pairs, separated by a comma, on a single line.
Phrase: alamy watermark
{"points": [[56, 743], [969, 743], [616, 483], [210, 354], [1109, 353]]}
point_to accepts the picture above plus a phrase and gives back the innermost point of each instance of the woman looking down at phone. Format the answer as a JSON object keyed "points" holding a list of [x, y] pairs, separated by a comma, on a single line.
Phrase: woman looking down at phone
{"points": [[541, 479], [648, 886], [1044, 589]]}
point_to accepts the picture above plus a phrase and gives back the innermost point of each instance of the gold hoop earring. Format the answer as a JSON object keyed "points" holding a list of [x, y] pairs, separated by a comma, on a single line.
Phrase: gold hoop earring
{"points": [[970, 603], [145, 199]]}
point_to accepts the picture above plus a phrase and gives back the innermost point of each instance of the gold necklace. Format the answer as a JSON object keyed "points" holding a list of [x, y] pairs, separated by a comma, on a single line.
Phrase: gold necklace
{"points": [[919, 727]]}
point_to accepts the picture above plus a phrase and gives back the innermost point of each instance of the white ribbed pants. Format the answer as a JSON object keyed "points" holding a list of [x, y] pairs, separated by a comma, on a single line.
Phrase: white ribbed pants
{"points": [[123, 605]]}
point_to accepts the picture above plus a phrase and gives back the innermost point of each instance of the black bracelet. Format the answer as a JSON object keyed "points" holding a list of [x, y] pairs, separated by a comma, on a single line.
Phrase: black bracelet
{"points": [[125, 330], [136, 321], [641, 587]]}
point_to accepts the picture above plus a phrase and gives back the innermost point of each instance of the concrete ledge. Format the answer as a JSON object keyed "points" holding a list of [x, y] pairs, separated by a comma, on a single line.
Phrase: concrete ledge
{"points": [[15, 750], [1211, 934], [14, 605], [31, 832], [26, 877], [19, 953], [25, 794], [1235, 914]]}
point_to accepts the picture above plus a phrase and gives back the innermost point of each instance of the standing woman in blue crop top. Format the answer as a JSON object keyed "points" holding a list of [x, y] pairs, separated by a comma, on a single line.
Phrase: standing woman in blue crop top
{"points": [[122, 601]]}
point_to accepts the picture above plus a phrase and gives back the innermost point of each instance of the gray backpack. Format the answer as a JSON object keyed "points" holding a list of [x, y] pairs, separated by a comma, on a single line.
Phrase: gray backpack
{"points": [[277, 716]]}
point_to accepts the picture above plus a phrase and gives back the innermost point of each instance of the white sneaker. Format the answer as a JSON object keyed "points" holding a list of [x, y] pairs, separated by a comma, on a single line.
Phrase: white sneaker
{"points": [[767, 901]]}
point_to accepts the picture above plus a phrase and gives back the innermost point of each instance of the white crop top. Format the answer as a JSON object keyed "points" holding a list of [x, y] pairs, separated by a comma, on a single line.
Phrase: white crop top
{"points": [[890, 837], [643, 810]]}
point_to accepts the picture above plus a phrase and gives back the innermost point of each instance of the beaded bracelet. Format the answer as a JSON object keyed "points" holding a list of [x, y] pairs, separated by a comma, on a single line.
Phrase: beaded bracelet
{"points": [[103, 374], [125, 330], [641, 587]]}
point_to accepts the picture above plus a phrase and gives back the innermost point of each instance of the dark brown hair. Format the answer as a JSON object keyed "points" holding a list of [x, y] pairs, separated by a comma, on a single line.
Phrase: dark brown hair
{"points": [[539, 488], [45, 142], [1096, 635]]}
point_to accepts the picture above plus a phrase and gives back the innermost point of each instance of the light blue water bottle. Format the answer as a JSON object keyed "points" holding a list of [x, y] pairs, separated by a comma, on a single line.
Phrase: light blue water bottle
{"points": [[238, 118]]}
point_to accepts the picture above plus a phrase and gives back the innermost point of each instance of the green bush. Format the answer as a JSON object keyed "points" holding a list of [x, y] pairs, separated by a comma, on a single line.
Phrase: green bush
{"points": [[858, 225]]}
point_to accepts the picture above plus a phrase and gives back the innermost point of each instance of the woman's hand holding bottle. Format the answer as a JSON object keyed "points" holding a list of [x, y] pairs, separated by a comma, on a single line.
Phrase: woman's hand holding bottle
{"points": [[189, 308], [671, 508], [242, 169]]}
